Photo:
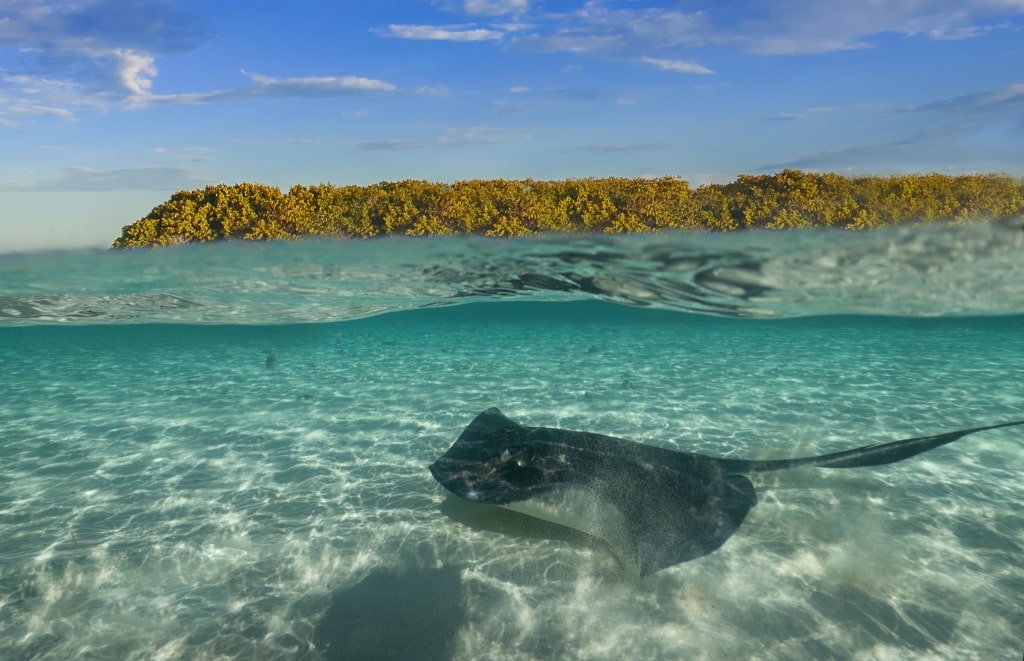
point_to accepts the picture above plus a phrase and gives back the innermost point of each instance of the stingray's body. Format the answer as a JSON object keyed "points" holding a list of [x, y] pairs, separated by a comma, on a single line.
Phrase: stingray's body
{"points": [[654, 507]]}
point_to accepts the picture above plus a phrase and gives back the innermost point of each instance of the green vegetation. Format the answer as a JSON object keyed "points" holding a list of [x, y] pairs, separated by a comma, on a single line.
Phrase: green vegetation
{"points": [[790, 199]]}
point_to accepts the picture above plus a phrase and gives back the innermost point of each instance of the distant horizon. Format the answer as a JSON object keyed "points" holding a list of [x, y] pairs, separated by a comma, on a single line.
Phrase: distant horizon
{"points": [[107, 107]]}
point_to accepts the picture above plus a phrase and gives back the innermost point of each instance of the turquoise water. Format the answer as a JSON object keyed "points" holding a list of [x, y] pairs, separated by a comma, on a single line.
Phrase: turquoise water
{"points": [[215, 452]]}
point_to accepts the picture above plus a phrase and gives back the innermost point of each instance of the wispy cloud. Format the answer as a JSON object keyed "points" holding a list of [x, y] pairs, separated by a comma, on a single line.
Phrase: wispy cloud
{"points": [[102, 54], [187, 153], [87, 54], [925, 150], [393, 144], [156, 178], [821, 26], [798, 116], [598, 29], [607, 28], [1008, 97], [979, 132], [786, 117], [678, 66], [137, 72], [470, 137], [569, 42], [45, 27], [547, 97], [23, 97], [961, 32], [621, 148], [495, 7], [573, 94], [511, 106], [441, 33], [309, 85], [105, 49], [66, 57]]}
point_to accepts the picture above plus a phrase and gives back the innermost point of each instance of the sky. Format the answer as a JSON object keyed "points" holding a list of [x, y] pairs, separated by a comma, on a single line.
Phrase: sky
{"points": [[107, 107]]}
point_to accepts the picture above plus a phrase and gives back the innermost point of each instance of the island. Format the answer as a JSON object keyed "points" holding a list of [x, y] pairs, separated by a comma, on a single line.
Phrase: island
{"points": [[790, 199]]}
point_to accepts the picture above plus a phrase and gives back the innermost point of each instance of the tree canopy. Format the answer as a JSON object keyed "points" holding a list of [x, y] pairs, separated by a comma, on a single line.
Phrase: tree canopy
{"points": [[790, 199]]}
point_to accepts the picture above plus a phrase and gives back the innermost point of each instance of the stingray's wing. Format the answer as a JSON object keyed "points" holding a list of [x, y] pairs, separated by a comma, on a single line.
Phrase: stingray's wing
{"points": [[687, 519], [656, 509]]}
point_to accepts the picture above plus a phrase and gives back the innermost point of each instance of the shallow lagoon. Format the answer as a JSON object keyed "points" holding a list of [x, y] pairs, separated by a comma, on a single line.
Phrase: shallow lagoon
{"points": [[258, 490]]}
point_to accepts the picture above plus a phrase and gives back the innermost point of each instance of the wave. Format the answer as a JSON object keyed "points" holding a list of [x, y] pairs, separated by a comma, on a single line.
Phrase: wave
{"points": [[926, 271]]}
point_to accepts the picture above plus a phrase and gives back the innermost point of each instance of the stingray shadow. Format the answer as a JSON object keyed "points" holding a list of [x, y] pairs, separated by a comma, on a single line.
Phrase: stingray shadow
{"points": [[411, 614]]}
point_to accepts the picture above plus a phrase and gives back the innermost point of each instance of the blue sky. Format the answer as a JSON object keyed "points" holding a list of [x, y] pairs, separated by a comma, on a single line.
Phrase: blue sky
{"points": [[109, 106]]}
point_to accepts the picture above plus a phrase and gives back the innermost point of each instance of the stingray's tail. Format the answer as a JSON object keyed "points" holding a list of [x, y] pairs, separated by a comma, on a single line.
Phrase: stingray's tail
{"points": [[869, 455]]}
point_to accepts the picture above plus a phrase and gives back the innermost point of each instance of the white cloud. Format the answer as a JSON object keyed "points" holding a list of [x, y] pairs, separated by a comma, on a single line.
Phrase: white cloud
{"points": [[441, 33], [678, 66], [136, 71], [262, 86], [519, 89], [319, 83]]}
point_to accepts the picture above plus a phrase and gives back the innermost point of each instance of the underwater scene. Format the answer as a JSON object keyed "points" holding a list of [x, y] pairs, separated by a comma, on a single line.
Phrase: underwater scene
{"points": [[222, 451]]}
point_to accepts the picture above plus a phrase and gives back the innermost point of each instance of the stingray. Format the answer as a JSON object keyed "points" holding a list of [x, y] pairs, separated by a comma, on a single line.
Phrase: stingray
{"points": [[653, 507]]}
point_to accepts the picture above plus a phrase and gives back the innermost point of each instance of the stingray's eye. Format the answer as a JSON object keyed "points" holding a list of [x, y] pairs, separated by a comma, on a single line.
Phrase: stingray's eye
{"points": [[519, 455], [517, 467]]}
